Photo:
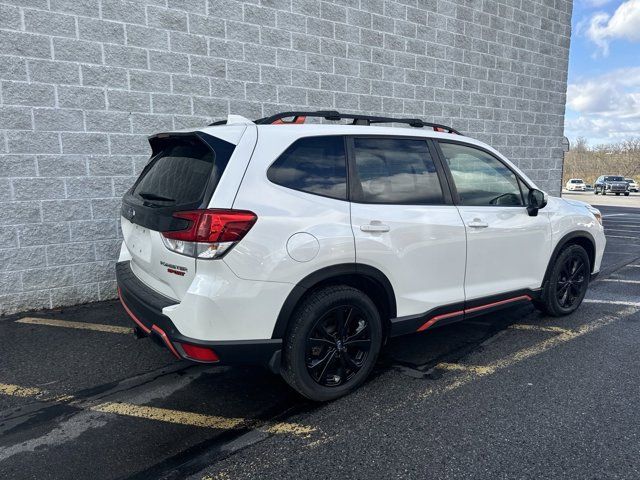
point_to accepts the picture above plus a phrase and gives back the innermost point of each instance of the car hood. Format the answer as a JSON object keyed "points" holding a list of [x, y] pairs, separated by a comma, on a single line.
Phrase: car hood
{"points": [[575, 203]]}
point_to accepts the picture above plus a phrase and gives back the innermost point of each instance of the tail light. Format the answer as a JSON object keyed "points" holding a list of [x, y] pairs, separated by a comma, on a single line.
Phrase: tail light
{"points": [[210, 233]]}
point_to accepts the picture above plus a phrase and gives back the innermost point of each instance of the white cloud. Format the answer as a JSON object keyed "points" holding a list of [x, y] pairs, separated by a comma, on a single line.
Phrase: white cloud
{"points": [[624, 23], [607, 106]]}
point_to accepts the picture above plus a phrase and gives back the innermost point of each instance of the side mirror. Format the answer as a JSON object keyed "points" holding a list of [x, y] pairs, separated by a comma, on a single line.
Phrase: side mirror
{"points": [[537, 200]]}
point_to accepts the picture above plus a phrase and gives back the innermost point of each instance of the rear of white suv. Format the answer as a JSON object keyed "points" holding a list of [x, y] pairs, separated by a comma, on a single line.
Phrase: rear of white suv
{"points": [[303, 247]]}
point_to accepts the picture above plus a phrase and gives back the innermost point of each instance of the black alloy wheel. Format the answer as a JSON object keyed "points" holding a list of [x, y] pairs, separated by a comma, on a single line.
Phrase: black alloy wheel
{"points": [[572, 280], [567, 283], [338, 346], [332, 344]]}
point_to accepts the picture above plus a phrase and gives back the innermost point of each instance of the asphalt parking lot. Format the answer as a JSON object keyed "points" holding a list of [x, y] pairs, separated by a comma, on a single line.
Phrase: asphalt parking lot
{"points": [[510, 395]]}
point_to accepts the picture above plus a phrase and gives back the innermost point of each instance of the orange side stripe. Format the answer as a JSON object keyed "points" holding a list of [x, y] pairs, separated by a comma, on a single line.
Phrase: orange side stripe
{"points": [[437, 318], [501, 302]]}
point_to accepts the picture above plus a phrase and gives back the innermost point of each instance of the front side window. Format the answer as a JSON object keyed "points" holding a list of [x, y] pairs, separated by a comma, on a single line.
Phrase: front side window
{"points": [[480, 178], [395, 171], [314, 165]]}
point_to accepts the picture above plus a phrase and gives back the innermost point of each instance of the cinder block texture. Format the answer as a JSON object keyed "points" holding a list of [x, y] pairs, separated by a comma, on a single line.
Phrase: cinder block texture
{"points": [[82, 84]]}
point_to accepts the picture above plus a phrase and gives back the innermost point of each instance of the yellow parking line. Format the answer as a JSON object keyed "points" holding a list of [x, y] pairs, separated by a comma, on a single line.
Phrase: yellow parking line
{"points": [[539, 328], [169, 416], [460, 367], [97, 327], [197, 419], [166, 415], [470, 374], [19, 391]]}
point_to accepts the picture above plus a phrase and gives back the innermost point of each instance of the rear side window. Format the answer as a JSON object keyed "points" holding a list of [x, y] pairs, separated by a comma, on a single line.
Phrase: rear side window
{"points": [[314, 165], [182, 169], [395, 171]]}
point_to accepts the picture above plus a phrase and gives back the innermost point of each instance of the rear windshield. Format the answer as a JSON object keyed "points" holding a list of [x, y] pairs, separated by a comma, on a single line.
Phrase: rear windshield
{"points": [[182, 170], [614, 179]]}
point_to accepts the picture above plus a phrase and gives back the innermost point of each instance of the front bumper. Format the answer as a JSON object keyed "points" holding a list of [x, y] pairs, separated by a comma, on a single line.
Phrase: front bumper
{"points": [[145, 306]]}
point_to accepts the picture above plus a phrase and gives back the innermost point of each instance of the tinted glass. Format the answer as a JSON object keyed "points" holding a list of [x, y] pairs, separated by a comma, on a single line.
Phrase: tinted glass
{"points": [[180, 172], [480, 178], [614, 179], [314, 165], [396, 170]]}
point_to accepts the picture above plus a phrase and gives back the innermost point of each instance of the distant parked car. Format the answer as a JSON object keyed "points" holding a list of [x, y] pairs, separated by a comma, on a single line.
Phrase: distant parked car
{"points": [[633, 185], [611, 184], [576, 184]]}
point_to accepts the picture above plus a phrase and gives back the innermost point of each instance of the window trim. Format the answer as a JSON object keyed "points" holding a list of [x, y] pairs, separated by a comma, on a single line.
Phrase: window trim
{"points": [[346, 165], [355, 196], [454, 191]]}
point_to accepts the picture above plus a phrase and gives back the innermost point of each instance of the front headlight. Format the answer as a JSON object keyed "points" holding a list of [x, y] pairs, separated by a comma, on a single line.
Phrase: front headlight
{"points": [[596, 213]]}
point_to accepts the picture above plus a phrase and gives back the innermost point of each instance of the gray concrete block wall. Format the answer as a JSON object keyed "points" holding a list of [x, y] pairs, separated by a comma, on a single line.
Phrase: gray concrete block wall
{"points": [[82, 83]]}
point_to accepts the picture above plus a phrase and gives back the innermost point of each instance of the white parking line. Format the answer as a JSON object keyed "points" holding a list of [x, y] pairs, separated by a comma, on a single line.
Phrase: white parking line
{"points": [[620, 280], [613, 302], [607, 230], [620, 236]]}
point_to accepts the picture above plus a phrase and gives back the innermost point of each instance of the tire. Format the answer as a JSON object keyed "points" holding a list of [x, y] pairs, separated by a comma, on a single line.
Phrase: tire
{"points": [[595, 192], [315, 341], [617, 194], [626, 194], [564, 291], [604, 192]]}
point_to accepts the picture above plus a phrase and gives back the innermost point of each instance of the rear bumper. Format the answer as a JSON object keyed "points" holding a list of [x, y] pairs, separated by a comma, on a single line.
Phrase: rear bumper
{"points": [[144, 306]]}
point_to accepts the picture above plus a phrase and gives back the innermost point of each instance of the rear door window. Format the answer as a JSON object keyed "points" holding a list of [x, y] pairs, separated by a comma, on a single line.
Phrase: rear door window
{"points": [[314, 165], [181, 171], [395, 171]]}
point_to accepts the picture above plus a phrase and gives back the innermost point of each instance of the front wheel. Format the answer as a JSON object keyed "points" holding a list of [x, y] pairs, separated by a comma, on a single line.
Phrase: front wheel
{"points": [[567, 283], [595, 192], [333, 343], [626, 194]]}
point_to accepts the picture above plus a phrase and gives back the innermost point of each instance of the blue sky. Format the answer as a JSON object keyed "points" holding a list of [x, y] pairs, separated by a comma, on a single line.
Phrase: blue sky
{"points": [[603, 93]]}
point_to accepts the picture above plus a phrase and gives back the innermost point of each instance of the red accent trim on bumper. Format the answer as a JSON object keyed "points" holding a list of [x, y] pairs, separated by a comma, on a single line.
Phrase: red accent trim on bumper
{"points": [[437, 318], [146, 330], [166, 341], [133, 317]]}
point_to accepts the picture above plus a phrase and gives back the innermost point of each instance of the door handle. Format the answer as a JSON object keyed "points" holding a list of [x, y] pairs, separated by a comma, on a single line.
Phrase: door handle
{"points": [[477, 223], [375, 226]]}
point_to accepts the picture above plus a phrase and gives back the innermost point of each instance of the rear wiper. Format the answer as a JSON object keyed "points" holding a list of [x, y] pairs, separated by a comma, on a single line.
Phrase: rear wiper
{"points": [[153, 196]]}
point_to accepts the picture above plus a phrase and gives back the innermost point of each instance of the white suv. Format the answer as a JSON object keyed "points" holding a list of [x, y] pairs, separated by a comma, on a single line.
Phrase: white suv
{"points": [[304, 247]]}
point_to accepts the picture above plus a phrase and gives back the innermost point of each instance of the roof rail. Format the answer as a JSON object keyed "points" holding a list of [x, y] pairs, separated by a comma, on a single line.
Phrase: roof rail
{"points": [[300, 117]]}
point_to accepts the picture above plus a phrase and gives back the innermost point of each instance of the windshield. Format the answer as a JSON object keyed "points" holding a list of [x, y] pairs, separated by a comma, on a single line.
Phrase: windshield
{"points": [[576, 180], [614, 179]]}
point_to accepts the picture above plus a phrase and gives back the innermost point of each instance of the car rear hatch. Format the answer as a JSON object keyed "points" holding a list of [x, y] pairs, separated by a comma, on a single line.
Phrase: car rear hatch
{"points": [[182, 175]]}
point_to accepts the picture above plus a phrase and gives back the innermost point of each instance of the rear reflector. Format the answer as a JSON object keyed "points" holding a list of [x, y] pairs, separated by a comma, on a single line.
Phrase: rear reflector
{"points": [[202, 354], [210, 233]]}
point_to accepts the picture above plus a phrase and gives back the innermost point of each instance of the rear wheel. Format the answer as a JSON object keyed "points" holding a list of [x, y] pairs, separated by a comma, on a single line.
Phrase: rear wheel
{"points": [[333, 343], [567, 283]]}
